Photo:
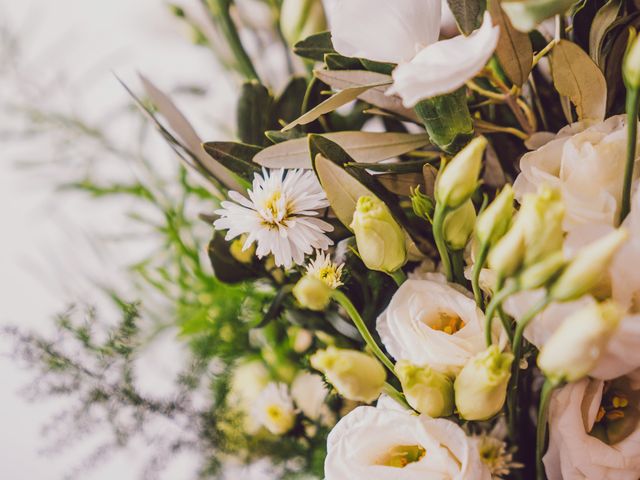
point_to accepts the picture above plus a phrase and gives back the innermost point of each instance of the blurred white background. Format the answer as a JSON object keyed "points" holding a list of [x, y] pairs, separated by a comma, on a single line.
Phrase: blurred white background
{"points": [[52, 246]]}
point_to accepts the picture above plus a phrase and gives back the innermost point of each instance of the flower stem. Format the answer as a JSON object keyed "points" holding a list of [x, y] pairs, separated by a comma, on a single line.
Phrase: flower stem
{"points": [[502, 293], [345, 303], [541, 431], [396, 395], [398, 276], [457, 265], [633, 102], [438, 234], [517, 354], [475, 278]]}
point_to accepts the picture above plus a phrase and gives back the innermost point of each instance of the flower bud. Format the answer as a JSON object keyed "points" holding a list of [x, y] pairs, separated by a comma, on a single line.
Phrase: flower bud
{"points": [[494, 221], [459, 179], [355, 375], [380, 240], [587, 269], [576, 346], [539, 274], [422, 204], [301, 18], [458, 226], [312, 293], [631, 63], [506, 257], [426, 390], [481, 386]]}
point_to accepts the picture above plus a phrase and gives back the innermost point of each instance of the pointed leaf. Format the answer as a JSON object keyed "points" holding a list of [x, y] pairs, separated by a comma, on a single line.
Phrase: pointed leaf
{"points": [[368, 147], [600, 26], [289, 105], [401, 184], [237, 157], [468, 13], [226, 268], [254, 113], [315, 47]]}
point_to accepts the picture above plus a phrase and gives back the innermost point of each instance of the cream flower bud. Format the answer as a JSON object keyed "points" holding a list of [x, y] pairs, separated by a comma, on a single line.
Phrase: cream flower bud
{"points": [[312, 293], [458, 226], [426, 390], [481, 386], [239, 253], [631, 63], [380, 240], [422, 204], [301, 18], [577, 345], [541, 216], [494, 221], [459, 179], [506, 257], [355, 375], [539, 274], [588, 267]]}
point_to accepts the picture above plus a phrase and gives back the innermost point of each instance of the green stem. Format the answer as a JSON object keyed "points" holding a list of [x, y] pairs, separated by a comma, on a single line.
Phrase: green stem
{"points": [[517, 354], [438, 234], [502, 293], [633, 103], [396, 395], [541, 431], [475, 278], [457, 263], [344, 301], [398, 276]]}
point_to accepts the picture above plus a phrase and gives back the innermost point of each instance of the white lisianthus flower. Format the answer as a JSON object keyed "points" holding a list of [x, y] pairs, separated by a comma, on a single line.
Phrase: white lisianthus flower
{"points": [[593, 430], [279, 216], [586, 163], [432, 323], [406, 32], [274, 409], [376, 443]]}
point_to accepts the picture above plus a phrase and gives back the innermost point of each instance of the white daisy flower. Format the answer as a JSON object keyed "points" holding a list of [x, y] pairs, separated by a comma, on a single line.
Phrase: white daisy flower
{"points": [[274, 409], [326, 270], [278, 216]]}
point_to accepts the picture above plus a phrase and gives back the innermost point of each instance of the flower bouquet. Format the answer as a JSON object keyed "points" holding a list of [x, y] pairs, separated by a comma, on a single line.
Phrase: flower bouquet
{"points": [[440, 208]]}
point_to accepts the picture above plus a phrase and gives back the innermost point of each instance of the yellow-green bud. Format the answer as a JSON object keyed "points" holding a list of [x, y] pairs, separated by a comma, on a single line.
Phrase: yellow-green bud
{"points": [[539, 274], [494, 221], [458, 226], [577, 345], [426, 390], [355, 375], [459, 178], [237, 252], [631, 63], [380, 240], [481, 386], [301, 18], [541, 216], [588, 268], [506, 257], [422, 204], [312, 293]]}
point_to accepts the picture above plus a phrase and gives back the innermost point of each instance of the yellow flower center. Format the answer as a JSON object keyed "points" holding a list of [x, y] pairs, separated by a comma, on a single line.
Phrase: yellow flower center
{"points": [[616, 417], [402, 455], [444, 321]]}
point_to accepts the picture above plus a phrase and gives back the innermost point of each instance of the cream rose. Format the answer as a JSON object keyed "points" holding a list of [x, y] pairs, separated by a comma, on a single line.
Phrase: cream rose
{"points": [[586, 163], [593, 430], [376, 443], [429, 322]]}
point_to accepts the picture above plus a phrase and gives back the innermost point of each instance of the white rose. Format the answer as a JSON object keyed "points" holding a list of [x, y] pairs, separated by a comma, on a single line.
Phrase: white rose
{"points": [[586, 164], [366, 442], [580, 411], [431, 323]]}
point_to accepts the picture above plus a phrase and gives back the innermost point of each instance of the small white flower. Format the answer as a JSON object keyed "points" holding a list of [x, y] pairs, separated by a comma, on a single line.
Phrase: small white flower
{"points": [[324, 269], [496, 456], [278, 216], [274, 409]]}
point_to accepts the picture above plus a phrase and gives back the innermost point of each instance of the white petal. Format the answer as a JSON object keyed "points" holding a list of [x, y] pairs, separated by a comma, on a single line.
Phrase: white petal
{"points": [[385, 30], [445, 66]]}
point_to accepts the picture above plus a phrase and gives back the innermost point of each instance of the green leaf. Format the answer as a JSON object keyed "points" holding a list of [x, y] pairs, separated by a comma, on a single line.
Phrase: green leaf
{"points": [[378, 67], [401, 184], [468, 13], [254, 113], [341, 79], [600, 26], [576, 76], [329, 105], [289, 105], [412, 166], [315, 47], [369, 147], [225, 267], [526, 15], [335, 61], [237, 157], [514, 50]]}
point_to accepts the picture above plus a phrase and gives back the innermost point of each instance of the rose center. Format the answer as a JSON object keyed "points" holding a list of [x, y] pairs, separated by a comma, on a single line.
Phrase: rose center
{"points": [[445, 321], [402, 455]]}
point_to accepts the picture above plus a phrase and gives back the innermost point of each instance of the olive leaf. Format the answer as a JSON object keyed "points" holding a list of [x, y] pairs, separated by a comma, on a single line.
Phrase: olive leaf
{"points": [[514, 50], [315, 47], [329, 105], [226, 268], [602, 22], [289, 104], [526, 15], [468, 13], [369, 147], [576, 76], [237, 157], [254, 113], [341, 79], [402, 184]]}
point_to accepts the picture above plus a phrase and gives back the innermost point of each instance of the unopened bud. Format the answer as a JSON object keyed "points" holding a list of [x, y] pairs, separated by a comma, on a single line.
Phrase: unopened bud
{"points": [[312, 293], [458, 226], [494, 221], [426, 390], [541, 273], [631, 63]]}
